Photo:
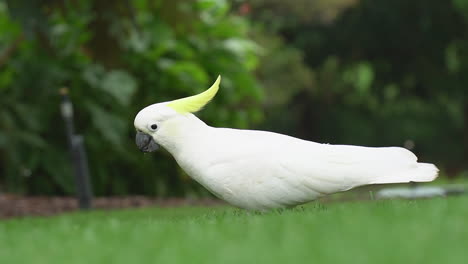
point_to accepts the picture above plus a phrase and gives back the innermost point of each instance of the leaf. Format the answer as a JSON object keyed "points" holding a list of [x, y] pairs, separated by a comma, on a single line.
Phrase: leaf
{"points": [[205, 4], [452, 58], [240, 46], [360, 76], [365, 77], [6, 78], [29, 116], [93, 74], [188, 72], [120, 84], [110, 126], [31, 139], [58, 166]]}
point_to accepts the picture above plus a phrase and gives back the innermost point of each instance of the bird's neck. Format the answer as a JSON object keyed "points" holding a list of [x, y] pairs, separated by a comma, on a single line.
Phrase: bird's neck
{"points": [[183, 132]]}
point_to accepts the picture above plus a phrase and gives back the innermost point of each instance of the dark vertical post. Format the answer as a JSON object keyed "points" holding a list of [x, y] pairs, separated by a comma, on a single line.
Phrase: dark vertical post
{"points": [[78, 153], [465, 129]]}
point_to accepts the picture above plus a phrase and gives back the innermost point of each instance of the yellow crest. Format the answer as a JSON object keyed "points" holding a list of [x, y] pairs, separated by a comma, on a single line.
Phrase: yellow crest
{"points": [[196, 102]]}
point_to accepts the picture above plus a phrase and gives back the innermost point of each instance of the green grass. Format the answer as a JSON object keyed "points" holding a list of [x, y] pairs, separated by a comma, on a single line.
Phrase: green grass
{"points": [[423, 231]]}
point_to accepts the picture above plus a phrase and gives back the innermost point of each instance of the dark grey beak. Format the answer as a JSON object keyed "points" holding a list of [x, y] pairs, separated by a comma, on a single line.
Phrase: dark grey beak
{"points": [[145, 142]]}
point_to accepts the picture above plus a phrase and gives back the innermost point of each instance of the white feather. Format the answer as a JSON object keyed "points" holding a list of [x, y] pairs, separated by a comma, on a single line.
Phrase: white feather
{"points": [[261, 170]]}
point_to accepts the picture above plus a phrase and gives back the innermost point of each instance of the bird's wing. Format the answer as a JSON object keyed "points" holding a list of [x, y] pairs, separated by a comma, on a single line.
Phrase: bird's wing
{"points": [[341, 167]]}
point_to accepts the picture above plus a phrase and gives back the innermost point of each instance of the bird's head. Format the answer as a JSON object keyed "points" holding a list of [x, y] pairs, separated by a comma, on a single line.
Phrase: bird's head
{"points": [[160, 123]]}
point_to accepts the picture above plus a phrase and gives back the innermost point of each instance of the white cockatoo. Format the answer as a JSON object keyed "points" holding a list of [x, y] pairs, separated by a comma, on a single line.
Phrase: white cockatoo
{"points": [[261, 170]]}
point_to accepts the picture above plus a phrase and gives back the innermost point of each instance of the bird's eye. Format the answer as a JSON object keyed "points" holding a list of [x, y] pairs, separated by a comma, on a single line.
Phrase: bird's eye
{"points": [[154, 127]]}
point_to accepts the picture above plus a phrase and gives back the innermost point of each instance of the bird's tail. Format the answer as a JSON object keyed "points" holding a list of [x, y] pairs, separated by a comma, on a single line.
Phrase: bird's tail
{"points": [[421, 172]]}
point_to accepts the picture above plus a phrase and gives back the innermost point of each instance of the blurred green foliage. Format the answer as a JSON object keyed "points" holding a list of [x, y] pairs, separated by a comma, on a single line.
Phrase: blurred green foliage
{"points": [[116, 58], [368, 72], [380, 73]]}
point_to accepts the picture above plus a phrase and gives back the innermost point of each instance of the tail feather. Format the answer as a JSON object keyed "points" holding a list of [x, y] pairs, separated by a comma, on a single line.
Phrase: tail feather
{"points": [[421, 172]]}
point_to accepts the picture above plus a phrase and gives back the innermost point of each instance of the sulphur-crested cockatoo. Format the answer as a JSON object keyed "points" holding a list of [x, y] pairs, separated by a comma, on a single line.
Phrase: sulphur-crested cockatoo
{"points": [[261, 170]]}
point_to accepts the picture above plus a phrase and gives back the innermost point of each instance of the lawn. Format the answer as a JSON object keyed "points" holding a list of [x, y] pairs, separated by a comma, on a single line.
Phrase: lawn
{"points": [[422, 231]]}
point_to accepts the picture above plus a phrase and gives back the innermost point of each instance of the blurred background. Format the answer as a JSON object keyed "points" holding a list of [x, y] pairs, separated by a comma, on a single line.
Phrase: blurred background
{"points": [[361, 72]]}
